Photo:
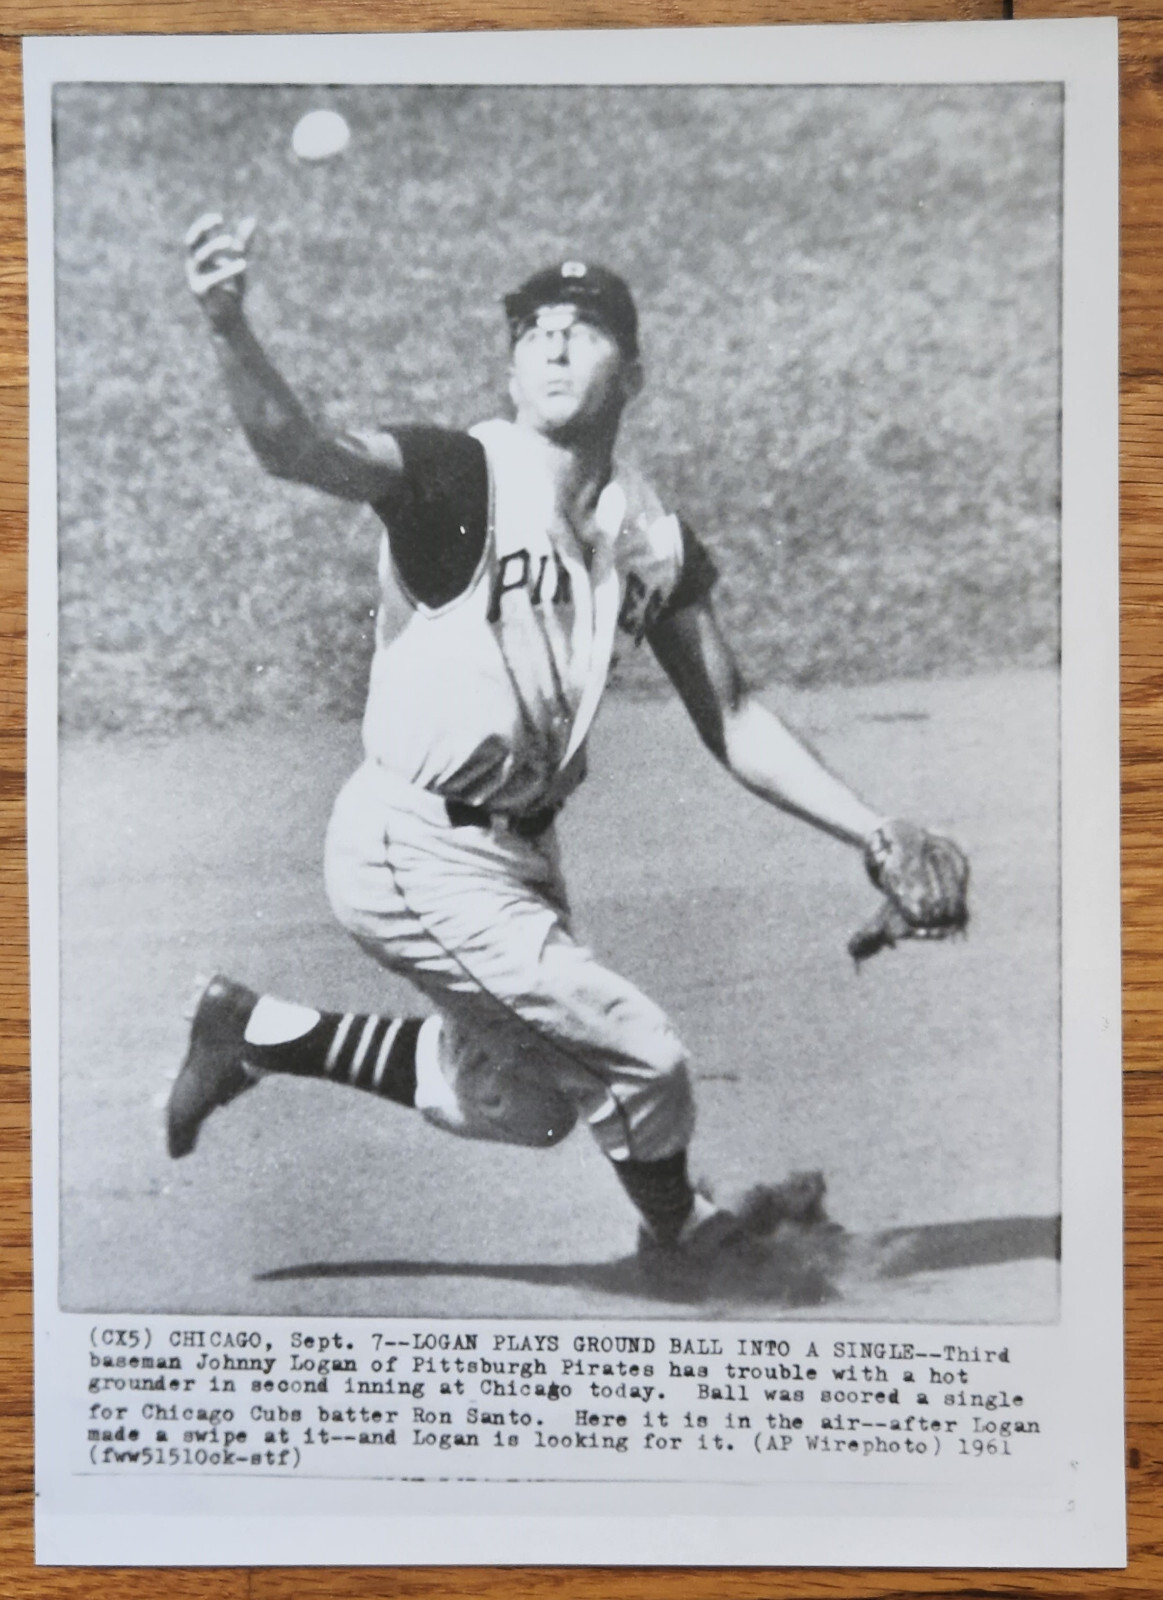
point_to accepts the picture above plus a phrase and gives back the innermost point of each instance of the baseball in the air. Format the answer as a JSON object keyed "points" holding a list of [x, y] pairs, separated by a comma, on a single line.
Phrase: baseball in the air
{"points": [[320, 135]]}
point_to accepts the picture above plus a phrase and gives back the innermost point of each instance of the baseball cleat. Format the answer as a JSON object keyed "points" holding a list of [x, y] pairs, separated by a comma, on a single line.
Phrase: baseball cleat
{"points": [[700, 1242], [686, 1265], [734, 1239], [213, 1072]]}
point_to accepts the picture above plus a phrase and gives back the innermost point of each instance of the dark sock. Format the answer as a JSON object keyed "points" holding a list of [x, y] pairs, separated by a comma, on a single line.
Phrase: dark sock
{"points": [[662, 1192], [368, 1052]]}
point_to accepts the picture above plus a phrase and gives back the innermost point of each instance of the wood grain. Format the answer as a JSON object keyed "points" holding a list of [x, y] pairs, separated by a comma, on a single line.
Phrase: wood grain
{"points": [[1141, 50]]}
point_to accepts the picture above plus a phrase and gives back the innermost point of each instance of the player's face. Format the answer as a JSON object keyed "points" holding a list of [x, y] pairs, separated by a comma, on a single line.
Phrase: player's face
{"points": [[568, 375]]}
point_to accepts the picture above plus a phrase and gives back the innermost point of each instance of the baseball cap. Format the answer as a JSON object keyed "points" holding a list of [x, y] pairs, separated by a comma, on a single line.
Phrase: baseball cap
{"points": [[601, 293]]}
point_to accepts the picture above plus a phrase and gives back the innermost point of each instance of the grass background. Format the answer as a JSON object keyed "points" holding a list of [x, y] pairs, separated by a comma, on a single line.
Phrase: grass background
{"points": [[850, 309]]}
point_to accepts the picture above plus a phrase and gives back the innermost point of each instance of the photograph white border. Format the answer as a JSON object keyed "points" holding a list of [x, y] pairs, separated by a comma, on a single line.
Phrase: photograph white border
{"points": [[119, 1520]]}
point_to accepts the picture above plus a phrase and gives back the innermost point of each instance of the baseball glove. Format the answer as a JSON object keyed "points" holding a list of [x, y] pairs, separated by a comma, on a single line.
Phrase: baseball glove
{"points": [[925, 881]]}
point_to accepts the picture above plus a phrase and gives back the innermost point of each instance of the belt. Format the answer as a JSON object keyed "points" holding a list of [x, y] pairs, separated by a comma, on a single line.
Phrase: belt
{"points": [[462, 815]]}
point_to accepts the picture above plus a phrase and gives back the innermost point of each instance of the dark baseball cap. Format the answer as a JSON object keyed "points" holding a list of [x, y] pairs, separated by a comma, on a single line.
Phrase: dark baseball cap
{"points": [[602, 294]]}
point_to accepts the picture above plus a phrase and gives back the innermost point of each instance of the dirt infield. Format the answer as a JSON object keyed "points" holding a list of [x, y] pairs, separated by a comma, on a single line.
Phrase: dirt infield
{"points": [[926, 1087]]}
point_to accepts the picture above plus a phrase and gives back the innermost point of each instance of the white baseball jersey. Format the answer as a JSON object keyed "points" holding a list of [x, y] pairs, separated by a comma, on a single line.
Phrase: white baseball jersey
{"points": [[487, 693]]}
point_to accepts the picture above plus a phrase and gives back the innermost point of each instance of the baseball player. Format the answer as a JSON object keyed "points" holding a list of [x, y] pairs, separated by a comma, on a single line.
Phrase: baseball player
{"points": [[528, 554]]}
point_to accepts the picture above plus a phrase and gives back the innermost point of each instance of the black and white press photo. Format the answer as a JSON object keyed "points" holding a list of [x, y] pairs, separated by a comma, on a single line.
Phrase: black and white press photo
{"points": [[755, 389], [560, 641]]}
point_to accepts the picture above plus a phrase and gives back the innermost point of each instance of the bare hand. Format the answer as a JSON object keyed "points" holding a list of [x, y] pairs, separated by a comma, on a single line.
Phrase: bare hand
{"points": [[216, 266]]}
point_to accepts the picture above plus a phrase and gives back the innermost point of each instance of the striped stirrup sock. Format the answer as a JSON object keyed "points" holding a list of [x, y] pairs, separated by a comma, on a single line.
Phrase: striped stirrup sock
{"points": [[367, 1052]]}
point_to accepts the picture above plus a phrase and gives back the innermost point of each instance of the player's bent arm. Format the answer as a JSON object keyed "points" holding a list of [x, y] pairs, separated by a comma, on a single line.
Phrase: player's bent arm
{"points": [[284, 436], [286, 439], [753, 743]]}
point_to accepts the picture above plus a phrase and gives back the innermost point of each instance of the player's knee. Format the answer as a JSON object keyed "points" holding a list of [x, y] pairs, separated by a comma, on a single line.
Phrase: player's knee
{"points": [[664, 1064], [606, 1012], [673, 1089], [553, 1129], [669, 1122], [656, 1084], [539, 1116], [652, 1116], [471, 1087], [534, 1126], [670, 1061]]}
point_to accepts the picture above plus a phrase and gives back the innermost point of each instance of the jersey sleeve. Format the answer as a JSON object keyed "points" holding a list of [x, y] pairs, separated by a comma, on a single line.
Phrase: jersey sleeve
{"points": [[438, 518], [697, 575]]}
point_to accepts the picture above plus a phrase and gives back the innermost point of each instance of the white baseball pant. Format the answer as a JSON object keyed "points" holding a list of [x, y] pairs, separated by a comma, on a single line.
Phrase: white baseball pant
{"points": [[531, 1031]]}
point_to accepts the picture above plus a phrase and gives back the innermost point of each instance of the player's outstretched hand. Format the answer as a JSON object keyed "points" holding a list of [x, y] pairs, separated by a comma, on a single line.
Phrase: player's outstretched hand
{"points": [[216, 265], [925, 881]]}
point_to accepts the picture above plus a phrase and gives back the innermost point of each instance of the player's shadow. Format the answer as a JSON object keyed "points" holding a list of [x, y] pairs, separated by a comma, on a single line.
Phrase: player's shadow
{"points": [[800, 1265]]}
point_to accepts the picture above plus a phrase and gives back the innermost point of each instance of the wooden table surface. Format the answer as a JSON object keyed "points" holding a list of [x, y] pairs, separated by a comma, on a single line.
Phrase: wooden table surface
{"points": [[1141, 51]]}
